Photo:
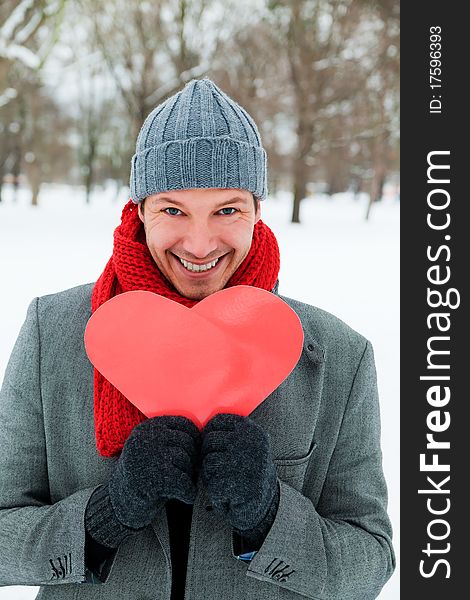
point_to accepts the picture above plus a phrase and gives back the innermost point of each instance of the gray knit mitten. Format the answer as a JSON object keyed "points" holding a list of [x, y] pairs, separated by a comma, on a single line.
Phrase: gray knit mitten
{"points": [[239, 474], [159, 461]]}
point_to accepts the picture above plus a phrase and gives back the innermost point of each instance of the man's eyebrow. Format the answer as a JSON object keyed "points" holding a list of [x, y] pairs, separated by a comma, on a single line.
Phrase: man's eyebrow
{"points": [[233, 201], [163, 199]]}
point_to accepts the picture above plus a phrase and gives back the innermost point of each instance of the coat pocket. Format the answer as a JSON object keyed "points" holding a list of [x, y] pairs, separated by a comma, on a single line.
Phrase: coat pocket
{"points": [[292, 470]]}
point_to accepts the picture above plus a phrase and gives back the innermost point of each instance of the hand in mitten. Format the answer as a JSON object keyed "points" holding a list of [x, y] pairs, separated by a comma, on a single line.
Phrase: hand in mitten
{"points": [[239, 474], [159, 461]]}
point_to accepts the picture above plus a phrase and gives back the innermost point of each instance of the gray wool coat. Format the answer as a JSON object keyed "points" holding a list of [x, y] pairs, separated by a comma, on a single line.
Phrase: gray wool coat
{"points": [[331, 538]]}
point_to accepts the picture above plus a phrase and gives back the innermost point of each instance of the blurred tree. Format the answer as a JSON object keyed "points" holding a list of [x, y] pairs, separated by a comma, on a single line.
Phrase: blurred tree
{"points": [[115, 147], [320, 77], [329, 45], [28, 31], [250, 66], [24, 36], [9, 136], [104, 139], [90, 126], [381, 96], [363, 135], [315, 33], [46, 152], [150, 48]]}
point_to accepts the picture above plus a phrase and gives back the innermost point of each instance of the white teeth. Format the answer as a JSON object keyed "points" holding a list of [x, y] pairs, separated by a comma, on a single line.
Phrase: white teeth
{"points": [[198, 268]]}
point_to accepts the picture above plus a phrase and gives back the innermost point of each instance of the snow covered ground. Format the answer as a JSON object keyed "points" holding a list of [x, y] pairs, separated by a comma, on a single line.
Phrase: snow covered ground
{"points": [[334, 259]]}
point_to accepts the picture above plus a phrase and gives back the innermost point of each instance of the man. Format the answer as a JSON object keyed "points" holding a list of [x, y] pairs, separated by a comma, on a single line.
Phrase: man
{"points": [[99, 502]]}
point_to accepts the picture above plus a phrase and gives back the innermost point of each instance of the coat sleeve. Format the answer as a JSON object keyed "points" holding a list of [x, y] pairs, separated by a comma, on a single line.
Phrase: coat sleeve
{"points": [[341, 549], [40, 543]]}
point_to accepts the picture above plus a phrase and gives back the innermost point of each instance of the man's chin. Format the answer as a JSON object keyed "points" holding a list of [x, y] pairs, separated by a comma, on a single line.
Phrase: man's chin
{"points": [[199, 294]]}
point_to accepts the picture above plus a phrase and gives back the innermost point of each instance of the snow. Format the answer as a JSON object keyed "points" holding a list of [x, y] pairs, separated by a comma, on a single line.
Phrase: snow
{"points": [[21, 53], [7, 95], [334, 259], [10, 43], [15, 19]]}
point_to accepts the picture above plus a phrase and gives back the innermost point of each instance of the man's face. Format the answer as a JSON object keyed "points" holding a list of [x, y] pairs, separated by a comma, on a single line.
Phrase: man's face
{"points": [[187, 230]]}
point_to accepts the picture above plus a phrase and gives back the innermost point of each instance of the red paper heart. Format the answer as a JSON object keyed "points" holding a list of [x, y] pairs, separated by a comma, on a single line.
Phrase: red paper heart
{"points": [[226, 354]]}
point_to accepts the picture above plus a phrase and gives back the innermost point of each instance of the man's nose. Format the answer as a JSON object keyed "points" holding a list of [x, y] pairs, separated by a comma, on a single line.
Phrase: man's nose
{"points": [[200, 240]]}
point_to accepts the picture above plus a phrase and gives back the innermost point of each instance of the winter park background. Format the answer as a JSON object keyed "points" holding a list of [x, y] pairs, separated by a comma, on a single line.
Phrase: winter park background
{"points": [[334, 259], [321, 80]]}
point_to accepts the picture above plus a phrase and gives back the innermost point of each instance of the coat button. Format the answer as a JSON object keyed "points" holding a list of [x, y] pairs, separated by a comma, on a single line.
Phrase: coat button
{"points": [[310, 347]]}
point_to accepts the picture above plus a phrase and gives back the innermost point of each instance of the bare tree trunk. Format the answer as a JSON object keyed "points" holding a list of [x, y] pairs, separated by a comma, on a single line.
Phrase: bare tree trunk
{"points": [[15, 171], [300, 187], [334, 184], [35, 187], [299, 195], [88, 184], [356, 187], [90, 158], [2, 175], [33, 173], [376, 185]]}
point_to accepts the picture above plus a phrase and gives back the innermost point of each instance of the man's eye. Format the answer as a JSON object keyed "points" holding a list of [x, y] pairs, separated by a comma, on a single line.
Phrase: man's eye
{"points": [[171, 210], [228, 210]]}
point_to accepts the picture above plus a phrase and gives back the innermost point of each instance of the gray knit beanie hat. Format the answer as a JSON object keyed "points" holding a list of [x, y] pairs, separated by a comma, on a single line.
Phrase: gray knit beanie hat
{"points": [[198, 138]]}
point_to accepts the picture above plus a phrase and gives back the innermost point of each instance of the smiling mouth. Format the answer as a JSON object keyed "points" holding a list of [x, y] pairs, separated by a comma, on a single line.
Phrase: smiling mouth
{"points": [[198, 268]]}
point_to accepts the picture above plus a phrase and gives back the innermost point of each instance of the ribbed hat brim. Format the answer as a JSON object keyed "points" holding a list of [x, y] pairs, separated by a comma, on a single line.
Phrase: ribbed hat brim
{"points": [[219, 162]]}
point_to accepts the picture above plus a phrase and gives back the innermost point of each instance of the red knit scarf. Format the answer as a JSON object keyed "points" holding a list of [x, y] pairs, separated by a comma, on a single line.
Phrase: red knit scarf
{"points": [[132, 267]]}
